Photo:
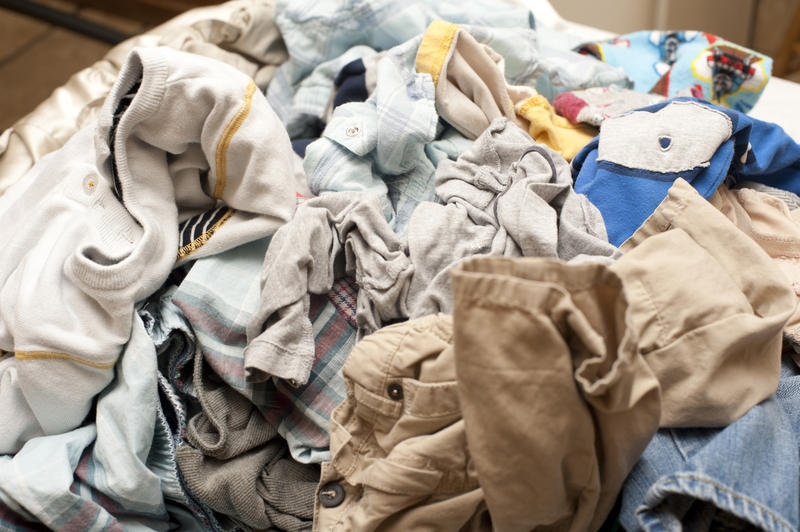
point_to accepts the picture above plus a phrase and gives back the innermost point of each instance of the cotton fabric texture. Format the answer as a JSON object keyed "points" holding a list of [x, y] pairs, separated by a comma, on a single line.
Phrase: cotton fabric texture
{"points": [[768, 221], [397, 441], [712, 330], [638, 355], [116, 472], [504, 196], [105, 230], [241, 33], [217, 299], [405, 454], [688, 63], [471, 91], [627, 170], [702, 364], [592, 401], [391, 143], [595, 104], [235, 462]]}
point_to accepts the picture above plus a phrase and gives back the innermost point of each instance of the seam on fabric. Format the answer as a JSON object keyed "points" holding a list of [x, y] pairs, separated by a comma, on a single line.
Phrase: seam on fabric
{"points": [[227, 135], [201, 240], [663, 337], [52, 355], [359, 451], [439, 54], [735, 495], [444, 48], [276, 345]]}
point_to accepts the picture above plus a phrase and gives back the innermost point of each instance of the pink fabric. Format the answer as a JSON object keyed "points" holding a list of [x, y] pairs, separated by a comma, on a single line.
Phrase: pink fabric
{"points": [[568, 105]]}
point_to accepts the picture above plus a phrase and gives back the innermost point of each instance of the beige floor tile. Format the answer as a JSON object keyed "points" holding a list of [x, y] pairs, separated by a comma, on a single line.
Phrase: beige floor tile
{"points": [[17, 31], [120, 24], [62, 5], [29, 77]]}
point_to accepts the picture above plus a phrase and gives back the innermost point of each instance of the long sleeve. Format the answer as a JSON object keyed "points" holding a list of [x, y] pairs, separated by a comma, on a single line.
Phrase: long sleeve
{"points": [[330, 236]]}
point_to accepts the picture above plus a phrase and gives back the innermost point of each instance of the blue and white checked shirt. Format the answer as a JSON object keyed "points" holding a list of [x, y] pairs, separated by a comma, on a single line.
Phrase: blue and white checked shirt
{"points": [[390, 144]]}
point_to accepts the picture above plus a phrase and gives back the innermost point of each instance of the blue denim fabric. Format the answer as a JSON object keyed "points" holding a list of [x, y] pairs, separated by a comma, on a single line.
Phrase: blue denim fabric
{"points": [[696, 479]]}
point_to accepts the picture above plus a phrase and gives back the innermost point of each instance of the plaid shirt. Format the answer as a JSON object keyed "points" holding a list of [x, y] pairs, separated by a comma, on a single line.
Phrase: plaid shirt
{"points": [[390, 144], [219, 295], [117, 473], [322, 36], [318, 34], [379, 144]]}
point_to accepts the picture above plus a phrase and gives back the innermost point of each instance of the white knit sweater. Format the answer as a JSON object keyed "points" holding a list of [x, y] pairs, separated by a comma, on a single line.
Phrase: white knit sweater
{"points": [[76, 255]]}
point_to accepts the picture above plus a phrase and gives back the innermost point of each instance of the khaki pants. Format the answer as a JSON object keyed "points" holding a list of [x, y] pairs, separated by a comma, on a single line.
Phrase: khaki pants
{"points": [[528, 409], [710, 309], [776, 229], [399, 454]]}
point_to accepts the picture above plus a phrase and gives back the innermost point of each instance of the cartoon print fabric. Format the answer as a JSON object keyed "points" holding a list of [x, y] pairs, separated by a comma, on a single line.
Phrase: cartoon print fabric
{"points": [[688, 63]]}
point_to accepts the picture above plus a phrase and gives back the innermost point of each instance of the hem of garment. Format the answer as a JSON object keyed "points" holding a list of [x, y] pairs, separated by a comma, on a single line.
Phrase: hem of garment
{"points": [[703, 488], [436, 45], [271, 359]]}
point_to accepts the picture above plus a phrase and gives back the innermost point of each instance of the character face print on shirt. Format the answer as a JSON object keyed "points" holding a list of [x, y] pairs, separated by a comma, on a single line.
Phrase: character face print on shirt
{"points": [[669, 48], [729, 70], [668, 44]]}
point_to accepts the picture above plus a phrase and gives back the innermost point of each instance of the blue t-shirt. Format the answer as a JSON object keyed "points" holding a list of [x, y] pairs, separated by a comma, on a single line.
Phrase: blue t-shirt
{"points": [[627, 170]]}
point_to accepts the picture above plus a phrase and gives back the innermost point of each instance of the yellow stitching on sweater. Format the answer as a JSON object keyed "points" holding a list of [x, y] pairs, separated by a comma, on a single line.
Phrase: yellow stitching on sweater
{"points": [[434, 48], [227, 135], [51, 355], [198, 242]]}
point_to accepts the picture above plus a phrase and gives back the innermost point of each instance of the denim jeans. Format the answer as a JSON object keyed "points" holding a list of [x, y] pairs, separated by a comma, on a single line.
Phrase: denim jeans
{"points": [[696, 479]]}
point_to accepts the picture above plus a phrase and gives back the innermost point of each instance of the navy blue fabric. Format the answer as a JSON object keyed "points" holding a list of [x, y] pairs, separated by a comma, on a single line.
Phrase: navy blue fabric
{"points": [[698, 478], [351, 84], [299, 146]]}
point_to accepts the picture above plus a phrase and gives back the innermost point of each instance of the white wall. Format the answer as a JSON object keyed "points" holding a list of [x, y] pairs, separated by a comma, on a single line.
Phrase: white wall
{"points": [[731, 19], [619, 16]]}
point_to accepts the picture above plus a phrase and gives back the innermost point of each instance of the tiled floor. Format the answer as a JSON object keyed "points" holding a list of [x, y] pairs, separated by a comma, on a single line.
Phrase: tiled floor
{"points": [[36, 57]]}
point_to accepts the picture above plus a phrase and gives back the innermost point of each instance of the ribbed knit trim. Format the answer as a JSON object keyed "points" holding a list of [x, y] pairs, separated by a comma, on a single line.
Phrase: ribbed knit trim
{"points": [[151, 66]]}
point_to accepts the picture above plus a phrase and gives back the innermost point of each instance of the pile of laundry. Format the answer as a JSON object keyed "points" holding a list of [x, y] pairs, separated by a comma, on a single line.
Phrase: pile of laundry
{"points": [[401, 265]]}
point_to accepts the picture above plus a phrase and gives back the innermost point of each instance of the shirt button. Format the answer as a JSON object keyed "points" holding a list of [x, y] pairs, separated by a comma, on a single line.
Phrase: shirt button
{"points": [[395, 391], [90, 184], [331, 495], [352, 131]]}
